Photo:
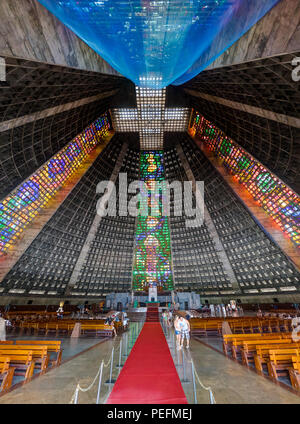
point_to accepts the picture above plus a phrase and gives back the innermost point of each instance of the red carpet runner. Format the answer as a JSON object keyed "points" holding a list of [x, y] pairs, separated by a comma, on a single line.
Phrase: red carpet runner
{"points": [[149, 374]]}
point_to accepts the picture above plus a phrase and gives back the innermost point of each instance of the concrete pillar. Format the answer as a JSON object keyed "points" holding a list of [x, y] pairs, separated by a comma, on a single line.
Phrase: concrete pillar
{"points": [[210, 225], [94, 227]]}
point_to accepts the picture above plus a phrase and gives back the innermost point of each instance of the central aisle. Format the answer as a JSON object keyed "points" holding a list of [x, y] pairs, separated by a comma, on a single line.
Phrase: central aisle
{"points": [[149, 374]]}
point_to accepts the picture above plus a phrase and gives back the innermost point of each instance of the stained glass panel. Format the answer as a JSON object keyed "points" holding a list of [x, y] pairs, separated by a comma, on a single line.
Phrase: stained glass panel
{"points": [[152, 264], [277, 199]]}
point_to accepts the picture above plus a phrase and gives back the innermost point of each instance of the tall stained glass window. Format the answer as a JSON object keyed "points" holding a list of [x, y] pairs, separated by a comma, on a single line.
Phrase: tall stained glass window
{"points": [[22, 205], [152, 262], [275, 197]]}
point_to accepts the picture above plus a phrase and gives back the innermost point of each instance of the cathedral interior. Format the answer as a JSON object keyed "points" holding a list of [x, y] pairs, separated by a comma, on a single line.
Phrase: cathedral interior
{"points": [[98, 98]]}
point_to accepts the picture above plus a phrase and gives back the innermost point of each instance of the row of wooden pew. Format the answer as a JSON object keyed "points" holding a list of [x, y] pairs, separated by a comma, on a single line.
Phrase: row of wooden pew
{"points": [[22, 357], [66, 327], [276, 353], [245, 325]]}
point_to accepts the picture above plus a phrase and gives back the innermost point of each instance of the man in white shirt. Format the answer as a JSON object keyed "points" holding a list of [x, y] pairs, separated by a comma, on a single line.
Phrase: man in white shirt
{"points": [[184, 326]]}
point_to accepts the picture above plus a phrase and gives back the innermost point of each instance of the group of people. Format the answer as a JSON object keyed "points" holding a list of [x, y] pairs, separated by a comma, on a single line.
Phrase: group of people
{"points": [[122, 316], [182, 331], [167, 317], [182, 328]]}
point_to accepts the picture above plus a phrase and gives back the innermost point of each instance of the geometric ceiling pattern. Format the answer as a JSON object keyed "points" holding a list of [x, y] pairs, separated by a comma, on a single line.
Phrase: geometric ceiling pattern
{"points": [[32, 90], [264, 84], [150, 119]]}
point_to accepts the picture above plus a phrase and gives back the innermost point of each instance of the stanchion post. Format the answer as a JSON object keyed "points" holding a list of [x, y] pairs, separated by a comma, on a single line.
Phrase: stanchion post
{"points": [[194, 383], [120, 355], [178, 363], [76, 395], [99, 384], [125, 349], [184, 371], [111, 366]]}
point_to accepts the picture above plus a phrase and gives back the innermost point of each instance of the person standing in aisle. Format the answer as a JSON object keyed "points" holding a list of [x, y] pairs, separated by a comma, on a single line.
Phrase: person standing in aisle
{"points": [[60, 312], [184, 326], [177, 331], [170, 317], [165, 318]]}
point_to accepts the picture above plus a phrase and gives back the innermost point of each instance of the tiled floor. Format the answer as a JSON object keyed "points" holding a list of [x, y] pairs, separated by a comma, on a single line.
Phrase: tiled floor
{"points": [[231, 382], [216, 343], [58, 385]]}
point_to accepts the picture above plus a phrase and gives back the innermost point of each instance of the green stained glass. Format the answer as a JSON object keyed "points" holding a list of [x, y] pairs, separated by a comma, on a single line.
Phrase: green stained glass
{"points": [[225, 148], [152, 263]]}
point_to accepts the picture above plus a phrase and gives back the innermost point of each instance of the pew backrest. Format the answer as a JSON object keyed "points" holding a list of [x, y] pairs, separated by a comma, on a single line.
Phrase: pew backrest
{"points": [[4, 364], [52, 345], [22, 356], [281, 355]]}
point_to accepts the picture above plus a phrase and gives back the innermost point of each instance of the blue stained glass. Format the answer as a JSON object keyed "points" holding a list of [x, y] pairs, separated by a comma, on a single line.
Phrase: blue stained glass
{"points": [[162, 42]]}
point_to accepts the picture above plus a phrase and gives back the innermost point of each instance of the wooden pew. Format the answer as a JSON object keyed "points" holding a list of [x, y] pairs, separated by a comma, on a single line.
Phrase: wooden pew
{"points": [[249, 348], [39, 354], [280, 361], [21, 360], [6, 373], [228, 338], [245, 325], [205, 327], [235, 341], [27, 327], [97, 328], [59, 326], [294, 372], [262, 355], [53, 346], [6, 342]]}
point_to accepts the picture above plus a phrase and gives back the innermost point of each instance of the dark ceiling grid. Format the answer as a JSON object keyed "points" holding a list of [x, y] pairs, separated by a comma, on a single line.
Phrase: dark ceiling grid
{"points": [[24, 149], [276, 145], [34, 87], [267, 84]]}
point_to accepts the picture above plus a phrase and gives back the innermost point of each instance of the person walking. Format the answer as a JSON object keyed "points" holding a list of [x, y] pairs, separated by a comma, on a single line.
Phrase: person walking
{"points": [[177, 331], [165, 318], [170, 317], [184, 326], [125, 323], [60, 312]]}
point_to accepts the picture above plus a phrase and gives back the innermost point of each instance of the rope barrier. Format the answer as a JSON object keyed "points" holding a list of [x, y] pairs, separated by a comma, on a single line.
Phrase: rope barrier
{"points": [[81, 389], [86, 389], [211, 395], [78, 389], [212, 398]]}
